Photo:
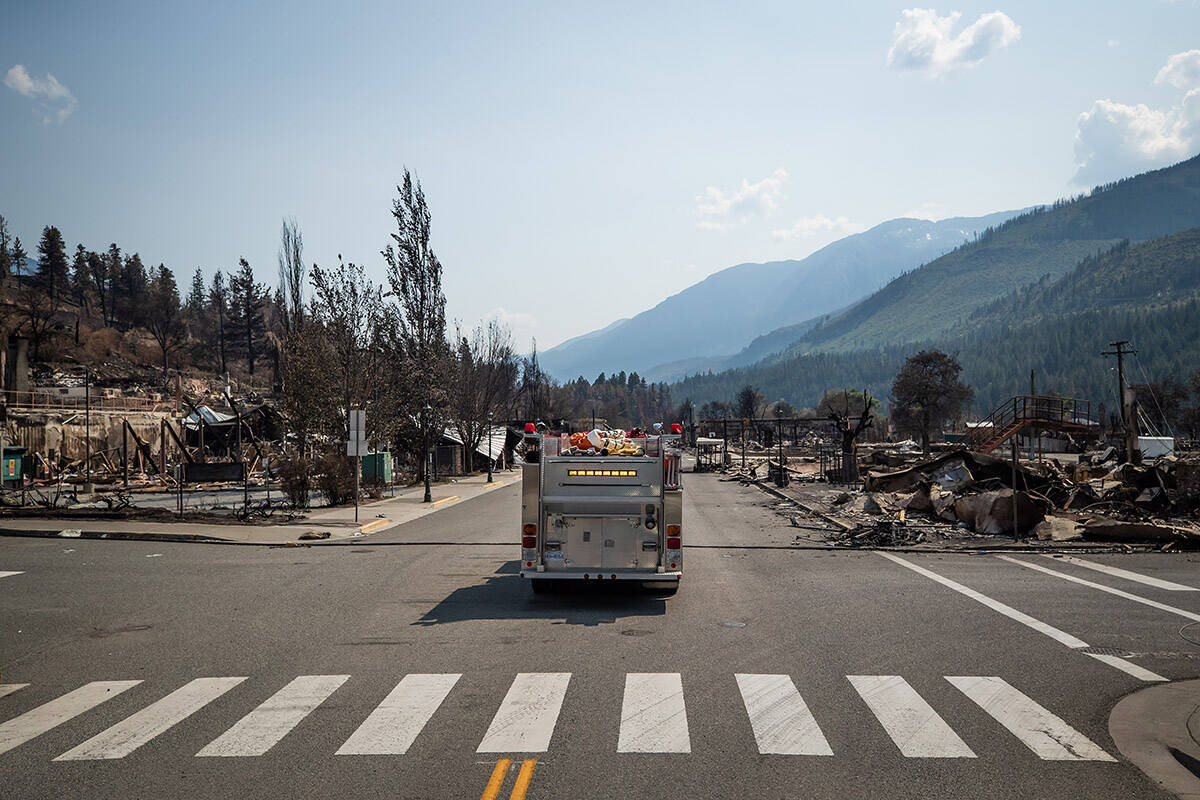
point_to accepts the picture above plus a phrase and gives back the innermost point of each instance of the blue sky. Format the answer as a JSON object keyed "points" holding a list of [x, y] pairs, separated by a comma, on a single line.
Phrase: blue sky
{"points": [[582, 161]]}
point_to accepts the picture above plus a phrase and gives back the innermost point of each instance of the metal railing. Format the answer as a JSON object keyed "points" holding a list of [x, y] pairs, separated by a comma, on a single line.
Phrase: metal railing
{"points": [[1061, 413], [97, 402]]}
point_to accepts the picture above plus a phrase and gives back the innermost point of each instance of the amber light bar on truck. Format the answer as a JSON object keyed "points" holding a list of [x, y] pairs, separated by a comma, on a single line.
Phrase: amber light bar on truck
{"points": [[602, 473]]}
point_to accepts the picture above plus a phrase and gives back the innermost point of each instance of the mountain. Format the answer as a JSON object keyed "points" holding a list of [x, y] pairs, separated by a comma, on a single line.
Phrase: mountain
{"points": [[940, 297], [1148, 293], [714, 319]]}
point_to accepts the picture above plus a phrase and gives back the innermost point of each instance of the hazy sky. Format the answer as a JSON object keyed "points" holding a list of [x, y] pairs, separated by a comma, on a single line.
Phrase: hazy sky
{"points": [[582, 160]]}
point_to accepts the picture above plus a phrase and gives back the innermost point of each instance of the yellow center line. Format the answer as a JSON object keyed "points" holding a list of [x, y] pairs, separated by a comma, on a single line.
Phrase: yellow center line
{"points": [[497, 780], [523, 779]]}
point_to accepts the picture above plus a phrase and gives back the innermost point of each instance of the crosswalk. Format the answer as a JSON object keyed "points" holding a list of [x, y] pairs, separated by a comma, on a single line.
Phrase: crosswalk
{"points": [[653, 717]]}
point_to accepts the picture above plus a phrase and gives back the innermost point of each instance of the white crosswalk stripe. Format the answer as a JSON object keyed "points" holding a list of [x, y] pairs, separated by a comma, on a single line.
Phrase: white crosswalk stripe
{"points": [[10, 573], [526, 719], [131, 733], [911, 722], [35, 722], [1128, 575], [263, 728], [653, 717], [395, 723], [780, 718], [1045, 734]]}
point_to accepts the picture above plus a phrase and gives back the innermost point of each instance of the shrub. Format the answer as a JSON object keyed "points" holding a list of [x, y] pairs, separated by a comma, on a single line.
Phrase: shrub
{"points": [[295, 476], [335, 478]]}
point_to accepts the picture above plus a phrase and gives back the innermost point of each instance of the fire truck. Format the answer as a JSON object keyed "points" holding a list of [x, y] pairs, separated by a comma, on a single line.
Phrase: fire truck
{"points": [[598, 516]]}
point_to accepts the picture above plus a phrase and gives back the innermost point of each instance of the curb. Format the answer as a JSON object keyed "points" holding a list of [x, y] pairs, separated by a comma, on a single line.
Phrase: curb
{"points": [[1151, 729]]}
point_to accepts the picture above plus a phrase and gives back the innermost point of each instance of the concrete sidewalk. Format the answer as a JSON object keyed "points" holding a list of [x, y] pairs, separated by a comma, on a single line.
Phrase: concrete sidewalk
{"points": [[374, 517]]}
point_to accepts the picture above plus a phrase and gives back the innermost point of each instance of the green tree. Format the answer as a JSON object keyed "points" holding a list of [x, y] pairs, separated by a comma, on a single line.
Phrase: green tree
{"points": [[18, 257], [53, 274], [415, 275], [247, 318], [927, 394], [162, 316], [5, 250]]}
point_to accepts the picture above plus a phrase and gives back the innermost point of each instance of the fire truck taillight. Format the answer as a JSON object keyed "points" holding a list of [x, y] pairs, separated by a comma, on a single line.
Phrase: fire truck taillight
{"points": [[674, 540], [529, 542]]}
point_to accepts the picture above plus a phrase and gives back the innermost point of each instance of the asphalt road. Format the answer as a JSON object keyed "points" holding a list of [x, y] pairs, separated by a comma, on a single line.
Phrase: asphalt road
{"points": [[843, 657]]}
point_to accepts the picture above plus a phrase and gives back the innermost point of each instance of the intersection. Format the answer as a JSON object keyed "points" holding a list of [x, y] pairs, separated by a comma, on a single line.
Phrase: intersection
{"points": [[416, 663]]}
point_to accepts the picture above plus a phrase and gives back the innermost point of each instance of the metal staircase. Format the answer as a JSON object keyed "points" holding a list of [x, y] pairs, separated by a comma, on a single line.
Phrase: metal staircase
{"points": [[1025, 412]]}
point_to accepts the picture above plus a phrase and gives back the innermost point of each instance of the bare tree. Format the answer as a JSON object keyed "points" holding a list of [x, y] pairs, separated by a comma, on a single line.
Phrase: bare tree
{"points": [[485, 379], [292, 276], [849, 429], [37, 312], [348, 306]]}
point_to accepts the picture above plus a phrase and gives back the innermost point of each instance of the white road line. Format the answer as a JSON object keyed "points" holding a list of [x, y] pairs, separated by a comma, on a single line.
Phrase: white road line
{"points": [[9, 573], [653, 717], [525, 721], [132, 732], [995, 605], [913, 725], [8, 688], [1046, 735], [1141, 673], [1135, 598], [782, 723], [1157, 583], [261, 729], [37, 721], [391, 728]]}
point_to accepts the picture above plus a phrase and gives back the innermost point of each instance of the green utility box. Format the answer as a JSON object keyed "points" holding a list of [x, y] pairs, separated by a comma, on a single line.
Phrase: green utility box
{"points": [[377, 467], [11, 465]]}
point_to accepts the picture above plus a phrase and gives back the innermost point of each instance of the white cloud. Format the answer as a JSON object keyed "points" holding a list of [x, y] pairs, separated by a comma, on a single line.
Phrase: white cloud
{"points": [[1113, 43], [1114, 140], [928, 210], [54, 101], [720, 210], [808, 227], [1182, 70], [923, 41], [514, 319]]}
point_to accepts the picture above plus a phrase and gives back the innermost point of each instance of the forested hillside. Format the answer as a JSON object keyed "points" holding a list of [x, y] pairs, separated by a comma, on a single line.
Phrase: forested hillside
{"points": [[1146, 293], [939, 298], [1065, 353]]}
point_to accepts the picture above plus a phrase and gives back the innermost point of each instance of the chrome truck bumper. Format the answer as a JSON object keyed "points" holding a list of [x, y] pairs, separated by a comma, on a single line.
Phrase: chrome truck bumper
{"points": [[644, 576]]}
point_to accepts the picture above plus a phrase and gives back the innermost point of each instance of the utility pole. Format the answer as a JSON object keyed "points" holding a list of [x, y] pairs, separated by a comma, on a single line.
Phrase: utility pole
{"points": [[87, 438], [1121, 350]]}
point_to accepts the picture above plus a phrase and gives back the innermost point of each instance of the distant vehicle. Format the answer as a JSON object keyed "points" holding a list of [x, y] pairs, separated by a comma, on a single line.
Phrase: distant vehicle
{"points": [[602, 509]]}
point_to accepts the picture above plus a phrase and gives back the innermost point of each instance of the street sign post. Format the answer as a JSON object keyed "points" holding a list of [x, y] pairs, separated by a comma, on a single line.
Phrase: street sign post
{"points": [[356, 448]]}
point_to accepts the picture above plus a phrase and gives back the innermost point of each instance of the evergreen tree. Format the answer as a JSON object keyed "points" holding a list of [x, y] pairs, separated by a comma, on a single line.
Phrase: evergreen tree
{"points": [[131, 294], [5, 250], [247, 318], [217, 317], [196, 306], [162, 314], [52, 273], [19, 256]]}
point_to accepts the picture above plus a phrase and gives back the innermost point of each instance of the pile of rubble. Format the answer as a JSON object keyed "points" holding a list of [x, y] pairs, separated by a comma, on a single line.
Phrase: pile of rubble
{"points": [[982, 494]]}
